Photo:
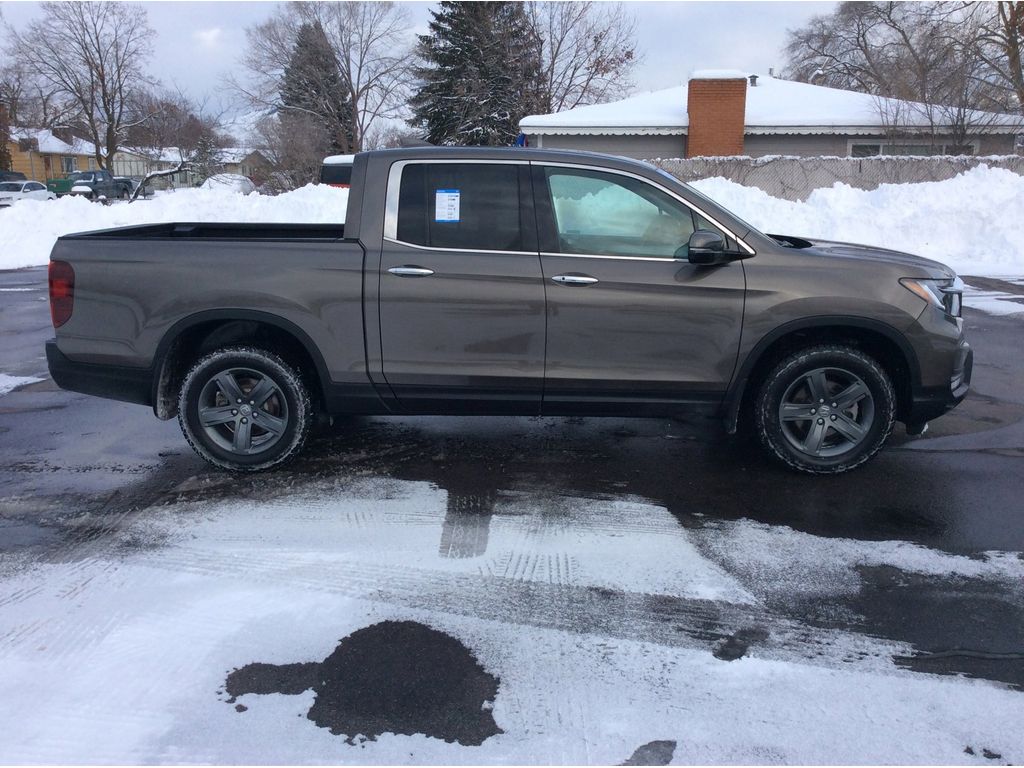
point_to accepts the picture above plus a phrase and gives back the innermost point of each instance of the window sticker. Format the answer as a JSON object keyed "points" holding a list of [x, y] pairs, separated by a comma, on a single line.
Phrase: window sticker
{"points": [[446, 205]]}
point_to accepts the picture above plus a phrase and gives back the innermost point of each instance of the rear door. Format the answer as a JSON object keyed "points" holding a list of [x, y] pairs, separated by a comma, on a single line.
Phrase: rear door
{"points": [[461, 291], [633, 327]]}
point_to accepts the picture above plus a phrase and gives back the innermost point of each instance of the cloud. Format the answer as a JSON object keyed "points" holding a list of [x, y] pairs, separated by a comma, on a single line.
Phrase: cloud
{"points": [[209, 38]]}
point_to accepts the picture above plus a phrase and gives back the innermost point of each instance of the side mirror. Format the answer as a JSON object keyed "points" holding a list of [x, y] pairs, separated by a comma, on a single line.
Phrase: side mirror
{"points": [[706, 247]]}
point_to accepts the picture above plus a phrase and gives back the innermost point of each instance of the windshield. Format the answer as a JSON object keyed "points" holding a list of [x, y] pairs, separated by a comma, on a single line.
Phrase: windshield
{"points": [[10, 186]]}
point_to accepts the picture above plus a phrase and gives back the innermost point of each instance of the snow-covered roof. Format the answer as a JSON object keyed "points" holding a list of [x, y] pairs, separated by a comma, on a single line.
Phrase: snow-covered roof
{"points": [[339, 160], [50, 144], [772, 106], [237, 154]]}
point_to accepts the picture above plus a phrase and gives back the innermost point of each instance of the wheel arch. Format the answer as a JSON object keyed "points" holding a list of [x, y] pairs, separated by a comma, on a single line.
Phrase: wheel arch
{"points": [[192, 336], [881, 340]]}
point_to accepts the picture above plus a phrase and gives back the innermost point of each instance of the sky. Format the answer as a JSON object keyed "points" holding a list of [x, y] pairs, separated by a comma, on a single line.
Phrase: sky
{"points": [[199, 42]]}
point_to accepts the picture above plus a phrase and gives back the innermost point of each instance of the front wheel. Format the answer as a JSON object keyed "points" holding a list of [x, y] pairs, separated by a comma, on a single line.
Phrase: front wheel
{"points": [[244, 409], [826, 409]]}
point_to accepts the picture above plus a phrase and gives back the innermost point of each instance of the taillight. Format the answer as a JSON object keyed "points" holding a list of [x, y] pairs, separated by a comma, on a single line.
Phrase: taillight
{"points": [[62, 292]]}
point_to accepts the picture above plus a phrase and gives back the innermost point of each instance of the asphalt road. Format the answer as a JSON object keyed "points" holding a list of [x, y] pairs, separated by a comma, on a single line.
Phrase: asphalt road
{"points": [[84, 478]]}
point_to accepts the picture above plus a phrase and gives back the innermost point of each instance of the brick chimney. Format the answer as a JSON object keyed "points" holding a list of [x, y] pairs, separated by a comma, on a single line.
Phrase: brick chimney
{"points": [[716, 102]]}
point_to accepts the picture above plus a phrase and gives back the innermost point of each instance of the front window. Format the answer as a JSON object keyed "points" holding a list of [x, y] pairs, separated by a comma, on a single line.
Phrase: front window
{"points": [[468, 206], [68, 164], [607, 214]]}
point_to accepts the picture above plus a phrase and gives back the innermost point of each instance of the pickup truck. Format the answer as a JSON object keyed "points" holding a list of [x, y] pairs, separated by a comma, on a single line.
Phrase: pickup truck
{"points": [[508, 281], [90, 184]]}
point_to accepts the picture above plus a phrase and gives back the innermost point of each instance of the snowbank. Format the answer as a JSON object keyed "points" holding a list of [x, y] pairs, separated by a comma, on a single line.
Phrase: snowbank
{"points": [[973, 222], [29, 229]]}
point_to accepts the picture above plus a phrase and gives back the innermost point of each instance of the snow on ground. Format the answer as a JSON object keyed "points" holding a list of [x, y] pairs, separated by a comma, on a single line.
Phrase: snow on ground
{"points": [[120, 655], [973, 222], [35, 225], [11, 383]]}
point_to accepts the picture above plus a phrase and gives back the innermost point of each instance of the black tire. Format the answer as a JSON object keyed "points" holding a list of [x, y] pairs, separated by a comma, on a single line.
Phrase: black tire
{"points": [[825, 409], [252, 436]]}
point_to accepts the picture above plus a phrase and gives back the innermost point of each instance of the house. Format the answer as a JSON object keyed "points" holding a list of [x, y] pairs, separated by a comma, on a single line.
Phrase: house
{"points": [[246, 161], [43, 154], [139, 162], [728, 112]]}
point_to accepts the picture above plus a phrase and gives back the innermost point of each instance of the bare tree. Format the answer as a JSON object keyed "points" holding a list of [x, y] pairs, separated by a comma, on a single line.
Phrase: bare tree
{"points": [[926, 54], [91, 54], [371, 45], [589, 51], [1000, 42]]}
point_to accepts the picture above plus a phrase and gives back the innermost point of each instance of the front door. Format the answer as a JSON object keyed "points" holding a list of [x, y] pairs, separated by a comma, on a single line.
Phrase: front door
{"points": [[461, 291], [633, 327]]}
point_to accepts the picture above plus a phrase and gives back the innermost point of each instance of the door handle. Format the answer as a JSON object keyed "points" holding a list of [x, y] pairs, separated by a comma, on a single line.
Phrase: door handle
{"points": [[411, 271], [574, 279]]}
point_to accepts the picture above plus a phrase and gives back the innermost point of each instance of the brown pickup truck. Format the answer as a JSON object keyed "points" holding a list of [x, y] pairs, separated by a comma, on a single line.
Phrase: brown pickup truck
{"points": [[508, 281]]}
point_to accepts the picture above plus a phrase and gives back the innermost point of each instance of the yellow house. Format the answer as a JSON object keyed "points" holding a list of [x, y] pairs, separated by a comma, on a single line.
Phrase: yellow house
{"points": [[41, 155]]}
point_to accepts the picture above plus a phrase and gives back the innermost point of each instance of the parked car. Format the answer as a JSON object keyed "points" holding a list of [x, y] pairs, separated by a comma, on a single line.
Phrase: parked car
{"points": [[91, 184], [13, 191], [131, 183], [509, 281], [337, 171], [12, 176], [233, 182]]}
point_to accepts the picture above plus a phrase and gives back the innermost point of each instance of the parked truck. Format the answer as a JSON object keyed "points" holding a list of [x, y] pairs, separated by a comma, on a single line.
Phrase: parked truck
{"points": [[508, 281], [91, 184]]}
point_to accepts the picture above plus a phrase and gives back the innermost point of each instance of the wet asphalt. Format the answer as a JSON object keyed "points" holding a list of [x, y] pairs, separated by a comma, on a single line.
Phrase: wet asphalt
{"points": [[75, 471]]}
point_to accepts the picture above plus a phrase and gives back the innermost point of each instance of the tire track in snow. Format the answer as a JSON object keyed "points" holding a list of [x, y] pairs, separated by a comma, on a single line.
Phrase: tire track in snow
{"points": [[660, 619]]}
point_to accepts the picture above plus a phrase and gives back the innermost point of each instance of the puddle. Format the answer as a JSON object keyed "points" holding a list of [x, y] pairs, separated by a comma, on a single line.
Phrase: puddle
{"points": [[393, 677]]}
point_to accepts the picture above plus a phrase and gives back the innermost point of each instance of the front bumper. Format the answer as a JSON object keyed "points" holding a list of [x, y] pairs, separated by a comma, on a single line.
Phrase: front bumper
{"points": [[927, 403], [131, 385]]}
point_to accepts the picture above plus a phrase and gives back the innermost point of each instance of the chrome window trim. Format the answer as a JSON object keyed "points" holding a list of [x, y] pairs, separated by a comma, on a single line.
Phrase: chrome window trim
{"points": [[668, 192], [396, 241], [662, 259], [394, 190]]}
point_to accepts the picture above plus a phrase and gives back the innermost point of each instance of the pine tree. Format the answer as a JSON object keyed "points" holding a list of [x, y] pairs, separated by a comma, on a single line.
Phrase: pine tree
{"points": [[312, 87], [480, 74]]}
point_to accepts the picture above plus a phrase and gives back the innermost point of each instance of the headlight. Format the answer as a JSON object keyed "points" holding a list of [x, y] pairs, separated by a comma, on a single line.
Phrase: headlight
{"points": [[945, 293]]}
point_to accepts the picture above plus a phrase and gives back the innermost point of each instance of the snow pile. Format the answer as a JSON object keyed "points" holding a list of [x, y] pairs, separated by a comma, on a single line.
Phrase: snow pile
{"points": [[11, 383], [973, 222], [35, 225]]}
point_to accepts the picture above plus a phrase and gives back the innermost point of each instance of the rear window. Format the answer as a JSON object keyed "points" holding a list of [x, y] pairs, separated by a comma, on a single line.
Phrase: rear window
{"points": [[473, 206], [336, 174], [10, 186]]}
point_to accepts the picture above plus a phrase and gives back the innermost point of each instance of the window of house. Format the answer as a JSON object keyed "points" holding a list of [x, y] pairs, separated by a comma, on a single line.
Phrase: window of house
{"points": [[874, 149], [68, 164], [472, 206], [611, 215]]}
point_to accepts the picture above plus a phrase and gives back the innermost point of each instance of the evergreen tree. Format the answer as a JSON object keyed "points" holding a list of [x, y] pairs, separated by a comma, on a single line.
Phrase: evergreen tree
{"points": [[479, 76], [312, 87]]}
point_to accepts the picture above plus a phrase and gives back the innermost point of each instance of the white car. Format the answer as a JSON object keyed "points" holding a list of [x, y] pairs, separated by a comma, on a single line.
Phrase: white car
{"points": [[232, 182], [13, 191]]}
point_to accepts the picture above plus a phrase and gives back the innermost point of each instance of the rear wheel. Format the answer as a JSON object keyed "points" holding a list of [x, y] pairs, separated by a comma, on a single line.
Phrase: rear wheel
{"points": [[244, 409], [826, 409]]}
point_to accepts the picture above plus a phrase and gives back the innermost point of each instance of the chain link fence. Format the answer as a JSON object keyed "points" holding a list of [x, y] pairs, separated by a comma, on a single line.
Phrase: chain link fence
{"points": [[794, 178]]}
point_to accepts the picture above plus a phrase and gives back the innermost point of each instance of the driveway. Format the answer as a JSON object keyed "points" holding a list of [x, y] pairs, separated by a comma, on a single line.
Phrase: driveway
{"points": [[507, 590]]}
